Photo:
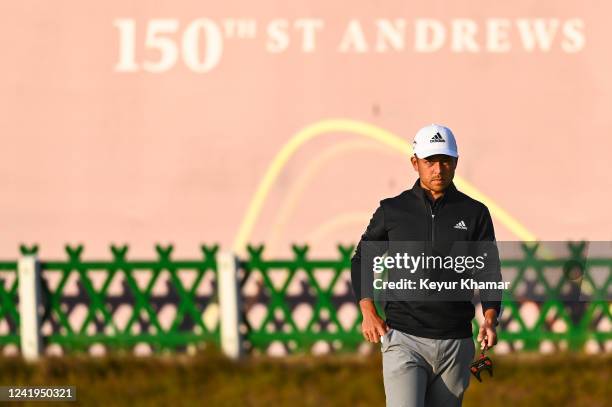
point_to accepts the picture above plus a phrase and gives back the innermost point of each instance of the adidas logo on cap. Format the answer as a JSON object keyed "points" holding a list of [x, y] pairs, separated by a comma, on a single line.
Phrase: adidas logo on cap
{"points": [[434, 139], [460, 225], [437, 138]]}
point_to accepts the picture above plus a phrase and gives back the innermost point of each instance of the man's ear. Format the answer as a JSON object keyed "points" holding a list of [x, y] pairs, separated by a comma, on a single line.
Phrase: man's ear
{"points": [[456, 162], [413, 160]]}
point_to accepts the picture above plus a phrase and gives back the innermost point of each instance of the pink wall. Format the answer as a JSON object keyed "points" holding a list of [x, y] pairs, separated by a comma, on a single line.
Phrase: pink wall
{"points": [[102, 142]]}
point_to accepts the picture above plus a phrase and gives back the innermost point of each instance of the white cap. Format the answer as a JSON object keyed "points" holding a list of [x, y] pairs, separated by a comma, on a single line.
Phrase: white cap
{"points": [[434, 139]]}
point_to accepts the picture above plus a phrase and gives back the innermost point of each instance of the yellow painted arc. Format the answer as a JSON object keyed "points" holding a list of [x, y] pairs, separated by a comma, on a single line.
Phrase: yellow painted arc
{"points": [[497, 211], [367, 130], [297, 188]]}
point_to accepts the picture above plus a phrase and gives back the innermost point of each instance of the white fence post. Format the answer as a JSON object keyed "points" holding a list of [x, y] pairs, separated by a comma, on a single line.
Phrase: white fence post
{"points": [[29, 302], [229, 304]]}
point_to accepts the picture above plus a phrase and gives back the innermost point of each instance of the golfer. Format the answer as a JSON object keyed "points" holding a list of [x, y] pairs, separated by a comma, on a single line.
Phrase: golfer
{"points": [[427, 346]]}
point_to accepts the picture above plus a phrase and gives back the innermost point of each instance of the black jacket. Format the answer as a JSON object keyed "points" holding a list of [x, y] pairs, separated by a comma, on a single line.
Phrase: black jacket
{"points": [[411, 216]]}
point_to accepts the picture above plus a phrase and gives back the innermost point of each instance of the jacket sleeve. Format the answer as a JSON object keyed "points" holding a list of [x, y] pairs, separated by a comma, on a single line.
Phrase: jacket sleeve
{"points": [[373, 242], [492, 272]]}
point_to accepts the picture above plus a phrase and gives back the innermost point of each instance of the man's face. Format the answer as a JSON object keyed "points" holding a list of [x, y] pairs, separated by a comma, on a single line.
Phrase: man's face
{"points": [[436, 172]]}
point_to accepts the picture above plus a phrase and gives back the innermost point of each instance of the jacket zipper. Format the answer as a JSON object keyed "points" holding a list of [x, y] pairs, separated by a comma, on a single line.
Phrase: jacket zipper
{"points": [[428, 205], [433, 228]]}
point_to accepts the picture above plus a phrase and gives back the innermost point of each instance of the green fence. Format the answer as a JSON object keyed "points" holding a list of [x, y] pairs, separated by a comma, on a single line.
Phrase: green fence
{"points": [[292, 304], [9, 316], [97, 326]]}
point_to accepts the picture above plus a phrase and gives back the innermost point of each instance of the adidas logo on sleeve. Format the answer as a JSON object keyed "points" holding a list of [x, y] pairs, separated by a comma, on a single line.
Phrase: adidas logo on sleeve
{"points": [[460, 225]]}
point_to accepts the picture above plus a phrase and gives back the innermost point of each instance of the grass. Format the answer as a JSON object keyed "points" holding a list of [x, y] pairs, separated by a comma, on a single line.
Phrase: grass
{"points": [[343, 380]]}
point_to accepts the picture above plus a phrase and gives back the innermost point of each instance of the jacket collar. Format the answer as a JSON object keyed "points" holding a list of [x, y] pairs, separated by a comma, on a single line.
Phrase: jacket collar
{"points": [[420, 192]]}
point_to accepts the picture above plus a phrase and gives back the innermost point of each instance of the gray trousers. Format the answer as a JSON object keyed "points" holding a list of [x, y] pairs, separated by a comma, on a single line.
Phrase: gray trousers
{"points": [[421, 372]]}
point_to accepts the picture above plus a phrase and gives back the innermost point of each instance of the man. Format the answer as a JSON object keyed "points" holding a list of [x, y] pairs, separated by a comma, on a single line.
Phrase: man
{"points": [[427, 346]]}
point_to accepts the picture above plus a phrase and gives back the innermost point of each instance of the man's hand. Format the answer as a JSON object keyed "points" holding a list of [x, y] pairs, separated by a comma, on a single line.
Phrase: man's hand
{"points": [[486, 334], [373, 326]]}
